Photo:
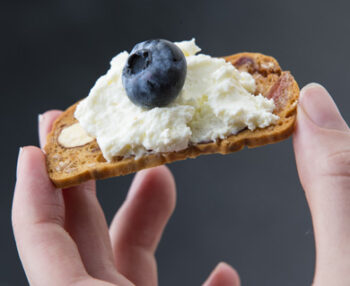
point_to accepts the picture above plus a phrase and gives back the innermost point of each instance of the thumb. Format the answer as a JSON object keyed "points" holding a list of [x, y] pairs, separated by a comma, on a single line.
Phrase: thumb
{"points": [[322, 150], [320, 107], [321, 139]]}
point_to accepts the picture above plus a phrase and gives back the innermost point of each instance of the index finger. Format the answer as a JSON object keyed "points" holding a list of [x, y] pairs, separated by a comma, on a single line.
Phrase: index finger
{"points": [[48, 253]]}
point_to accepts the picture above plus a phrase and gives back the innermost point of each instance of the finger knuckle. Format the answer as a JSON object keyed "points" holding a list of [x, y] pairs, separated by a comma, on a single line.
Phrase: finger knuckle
{"points": [[338, 163]]}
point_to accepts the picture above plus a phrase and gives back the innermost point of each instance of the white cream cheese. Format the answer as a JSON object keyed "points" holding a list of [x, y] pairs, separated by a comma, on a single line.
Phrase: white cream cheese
{"points": [[216, 101]]}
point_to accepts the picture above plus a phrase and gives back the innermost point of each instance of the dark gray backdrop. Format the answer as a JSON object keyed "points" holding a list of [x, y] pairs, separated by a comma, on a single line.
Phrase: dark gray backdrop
{"points": [[247, 208]]}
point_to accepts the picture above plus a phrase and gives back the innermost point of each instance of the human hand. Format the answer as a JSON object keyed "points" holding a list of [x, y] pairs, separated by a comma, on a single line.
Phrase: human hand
{"points": [[62, 235], [63, 239], [322, 149]]}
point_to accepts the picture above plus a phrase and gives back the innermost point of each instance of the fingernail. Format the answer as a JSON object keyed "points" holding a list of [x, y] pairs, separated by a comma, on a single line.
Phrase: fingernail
{"points": [[18, 157], [20, 151], [320, 107], [40, 118]]}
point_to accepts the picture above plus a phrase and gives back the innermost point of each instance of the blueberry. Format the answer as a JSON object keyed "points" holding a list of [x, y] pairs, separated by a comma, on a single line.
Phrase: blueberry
{"points": [[154, 73]]}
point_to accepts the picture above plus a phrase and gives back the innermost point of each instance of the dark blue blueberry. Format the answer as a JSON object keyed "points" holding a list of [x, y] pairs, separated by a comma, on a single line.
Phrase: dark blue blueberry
{"points": [[154, 73]]}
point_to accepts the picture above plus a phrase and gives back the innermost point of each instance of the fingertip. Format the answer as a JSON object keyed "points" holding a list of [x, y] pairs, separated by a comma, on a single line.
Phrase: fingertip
{"points": [[45, 122], [320, 107], [223, 275], [161, 172], [158, 183], [162, 176], [317, 114], [228, 271], [51, 113], [31, 164], [308, 86], [33, 150]]}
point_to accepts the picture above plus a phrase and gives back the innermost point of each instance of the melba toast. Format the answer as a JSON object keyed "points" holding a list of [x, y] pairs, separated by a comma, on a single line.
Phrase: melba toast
{"points": [[70, 165]]}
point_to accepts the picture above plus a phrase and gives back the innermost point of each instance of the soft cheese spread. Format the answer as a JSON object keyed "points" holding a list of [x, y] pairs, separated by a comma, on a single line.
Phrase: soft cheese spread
{"points": [[216, 101]]}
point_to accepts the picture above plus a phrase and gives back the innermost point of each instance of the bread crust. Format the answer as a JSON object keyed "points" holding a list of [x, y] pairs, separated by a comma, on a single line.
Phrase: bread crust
{"points": [[71, 166]]}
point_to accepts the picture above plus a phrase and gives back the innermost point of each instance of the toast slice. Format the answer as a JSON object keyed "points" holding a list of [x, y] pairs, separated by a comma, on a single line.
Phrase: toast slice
{"points": [[72, 166]]}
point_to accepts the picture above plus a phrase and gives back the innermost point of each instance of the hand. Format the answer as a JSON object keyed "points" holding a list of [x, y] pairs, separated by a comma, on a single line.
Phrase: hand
{"points": [[62, 235], [322, 150]]}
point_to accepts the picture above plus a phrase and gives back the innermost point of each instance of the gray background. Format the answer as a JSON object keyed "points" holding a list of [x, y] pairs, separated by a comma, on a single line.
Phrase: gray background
{"points": [[247, 208]]}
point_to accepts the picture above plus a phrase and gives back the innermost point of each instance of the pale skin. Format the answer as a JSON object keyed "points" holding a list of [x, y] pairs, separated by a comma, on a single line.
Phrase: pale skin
{"points": [[63, 238]]}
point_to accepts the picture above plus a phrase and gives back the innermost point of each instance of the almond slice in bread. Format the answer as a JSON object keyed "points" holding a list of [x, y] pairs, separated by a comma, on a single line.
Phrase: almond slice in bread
{"points": [[72, 166]]}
